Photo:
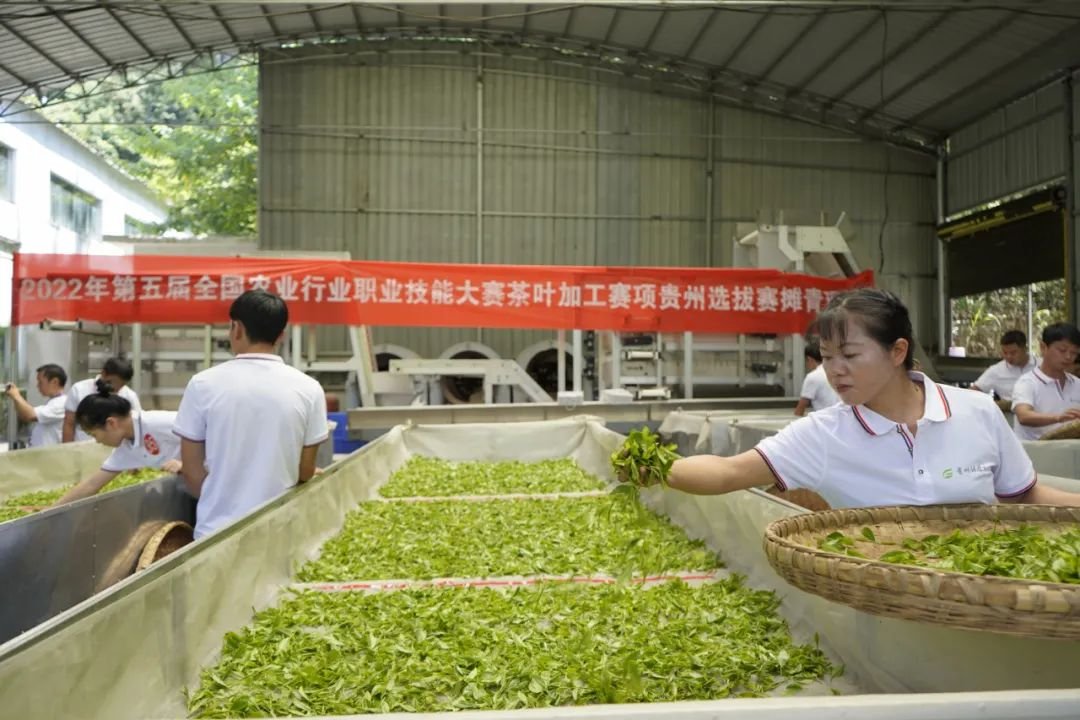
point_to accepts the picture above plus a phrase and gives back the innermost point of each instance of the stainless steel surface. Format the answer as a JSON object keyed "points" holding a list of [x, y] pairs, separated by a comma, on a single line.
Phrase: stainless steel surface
{"points": [[82, 609], [361, 419], [52, 560]]}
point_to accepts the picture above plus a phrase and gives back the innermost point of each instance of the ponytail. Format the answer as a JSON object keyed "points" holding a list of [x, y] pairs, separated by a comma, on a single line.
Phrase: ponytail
{"points": [[96, 409]]}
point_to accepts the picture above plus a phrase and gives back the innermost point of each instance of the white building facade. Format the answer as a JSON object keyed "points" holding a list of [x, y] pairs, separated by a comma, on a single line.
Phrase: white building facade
{"points": [[58, 196]]}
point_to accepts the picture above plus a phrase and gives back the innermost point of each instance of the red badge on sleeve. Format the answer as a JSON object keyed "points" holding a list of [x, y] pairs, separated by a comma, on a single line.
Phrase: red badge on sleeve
{"points": [[151, 444]]}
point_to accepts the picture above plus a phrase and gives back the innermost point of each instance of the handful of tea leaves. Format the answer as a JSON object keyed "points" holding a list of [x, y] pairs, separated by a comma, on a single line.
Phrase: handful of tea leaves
{"points": [[643, 460]]}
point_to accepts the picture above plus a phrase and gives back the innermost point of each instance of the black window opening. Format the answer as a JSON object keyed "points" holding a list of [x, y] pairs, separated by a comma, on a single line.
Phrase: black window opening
{"points": [[1016, 243], [1005, 268]]}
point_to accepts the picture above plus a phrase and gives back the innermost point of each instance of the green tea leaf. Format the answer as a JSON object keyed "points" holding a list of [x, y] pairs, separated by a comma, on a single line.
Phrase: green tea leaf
{"points": [[12, 507], [643, 459], [504, 537], [424, 476], [486, 649], [1023, 552]]}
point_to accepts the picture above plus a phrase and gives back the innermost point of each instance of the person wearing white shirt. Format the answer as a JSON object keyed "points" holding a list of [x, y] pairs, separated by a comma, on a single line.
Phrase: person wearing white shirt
{"points": [[1049, 396], [817, 393], [118, 373], [141, 439], [898, 438], [1000, 377], [250, 427], [47, 418]]}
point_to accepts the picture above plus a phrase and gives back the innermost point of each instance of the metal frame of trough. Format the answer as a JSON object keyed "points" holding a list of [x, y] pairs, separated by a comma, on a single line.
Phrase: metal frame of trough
{"points": [[382, 418], [60, 557]]}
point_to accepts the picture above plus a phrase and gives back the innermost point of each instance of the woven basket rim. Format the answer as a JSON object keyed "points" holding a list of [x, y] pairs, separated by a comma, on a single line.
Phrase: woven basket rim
{"points": [[782, 540], [149, 551], [1068, 431]]}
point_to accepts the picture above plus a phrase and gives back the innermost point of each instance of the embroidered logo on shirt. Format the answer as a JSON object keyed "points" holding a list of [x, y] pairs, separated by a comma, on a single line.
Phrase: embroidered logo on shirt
{"points": [[966, 470], [151, 444]]}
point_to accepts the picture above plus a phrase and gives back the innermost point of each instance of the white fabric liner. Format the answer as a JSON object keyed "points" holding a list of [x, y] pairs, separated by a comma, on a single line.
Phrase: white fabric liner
{"points": [[48, 468], [714, 429], [1055, 457], [129, 652]]}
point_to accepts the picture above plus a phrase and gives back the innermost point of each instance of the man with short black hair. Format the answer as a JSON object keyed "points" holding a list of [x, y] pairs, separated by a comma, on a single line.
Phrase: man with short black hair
{"points": [[816, 393], [1049, 396], [1001, 377], [249, 428], [116, 371], [47, 418]]}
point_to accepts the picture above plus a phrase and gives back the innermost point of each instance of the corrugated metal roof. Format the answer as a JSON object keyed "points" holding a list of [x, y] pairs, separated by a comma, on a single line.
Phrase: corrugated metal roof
{"points": [[944, 63]]}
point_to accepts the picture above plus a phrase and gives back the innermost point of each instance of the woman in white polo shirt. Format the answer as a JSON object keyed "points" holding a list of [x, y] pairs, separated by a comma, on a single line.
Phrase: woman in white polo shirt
{"points": [[897, 438], [143, 439]]}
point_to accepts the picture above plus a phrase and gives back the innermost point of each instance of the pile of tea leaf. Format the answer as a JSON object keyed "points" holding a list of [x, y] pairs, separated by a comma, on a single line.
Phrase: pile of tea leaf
{"points": [[338, 651], [424, 476], [28, 503], [435, 650], [504, 537], [1024, 552]]}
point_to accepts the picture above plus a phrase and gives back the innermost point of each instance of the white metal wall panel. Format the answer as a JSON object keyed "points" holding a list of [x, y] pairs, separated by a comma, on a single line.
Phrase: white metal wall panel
{"points": [[578, 168], [1016, 147], [770, 168]]}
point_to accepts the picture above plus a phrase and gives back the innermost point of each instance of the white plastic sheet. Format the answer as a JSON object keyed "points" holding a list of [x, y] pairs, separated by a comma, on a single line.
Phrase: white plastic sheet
{"points": [[130, 651], [48, 468], [1055, 457], [703, 432]]}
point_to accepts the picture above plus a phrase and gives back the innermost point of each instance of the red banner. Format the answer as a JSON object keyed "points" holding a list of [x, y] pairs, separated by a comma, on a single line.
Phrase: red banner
{"points": [[187, 290]]}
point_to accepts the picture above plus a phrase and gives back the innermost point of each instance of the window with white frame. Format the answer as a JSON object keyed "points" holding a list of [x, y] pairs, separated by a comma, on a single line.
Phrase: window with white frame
{"points": [[74, 209], [7, 174]]}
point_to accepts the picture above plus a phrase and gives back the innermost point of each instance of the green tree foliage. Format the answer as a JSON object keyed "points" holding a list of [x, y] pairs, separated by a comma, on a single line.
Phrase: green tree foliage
{"points": [[980, 320], [192, 140]]}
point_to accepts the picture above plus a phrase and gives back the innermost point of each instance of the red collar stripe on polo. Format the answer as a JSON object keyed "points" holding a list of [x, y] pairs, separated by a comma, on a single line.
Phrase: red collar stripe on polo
{"points": [[859, 417], [1030, 485], [779, 480], [910, 443], [945, 402]]}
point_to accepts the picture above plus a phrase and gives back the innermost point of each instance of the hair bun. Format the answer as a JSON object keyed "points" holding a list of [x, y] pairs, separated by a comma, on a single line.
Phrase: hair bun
{"points": [[104, 387]]}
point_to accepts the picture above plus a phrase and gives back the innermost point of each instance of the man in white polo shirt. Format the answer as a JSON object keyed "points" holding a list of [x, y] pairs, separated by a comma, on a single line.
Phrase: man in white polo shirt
{"points": [[817, 393], [1049, 395], [116, 371], [999, 378], [250, 427], [48, 418]]}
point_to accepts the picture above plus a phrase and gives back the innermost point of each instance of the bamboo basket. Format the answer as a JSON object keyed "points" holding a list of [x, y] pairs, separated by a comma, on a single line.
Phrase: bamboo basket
{"points": [[167, 539], [1002, 605], [1068, 431]]}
